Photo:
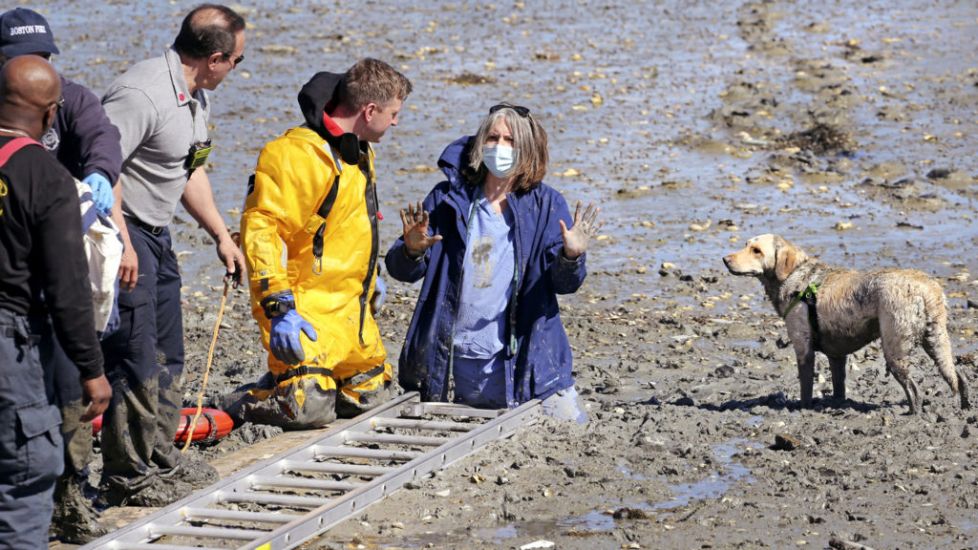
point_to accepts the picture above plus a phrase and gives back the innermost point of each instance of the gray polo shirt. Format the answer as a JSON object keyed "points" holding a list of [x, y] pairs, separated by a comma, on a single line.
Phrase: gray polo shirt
{"points": [[159, 120]]}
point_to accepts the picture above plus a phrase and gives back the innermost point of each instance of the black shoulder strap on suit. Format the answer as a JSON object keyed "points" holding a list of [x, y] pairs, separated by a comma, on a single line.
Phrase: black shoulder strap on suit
{"points": [[323, 212], [330, 199]]}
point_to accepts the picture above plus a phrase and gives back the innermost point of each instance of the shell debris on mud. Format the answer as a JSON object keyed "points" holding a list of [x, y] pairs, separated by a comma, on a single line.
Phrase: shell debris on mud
{"points": [[694, 127]]}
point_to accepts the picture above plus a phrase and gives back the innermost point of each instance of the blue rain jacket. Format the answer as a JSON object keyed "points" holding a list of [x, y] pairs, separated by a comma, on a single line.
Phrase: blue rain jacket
{"points": [[538, 355]]}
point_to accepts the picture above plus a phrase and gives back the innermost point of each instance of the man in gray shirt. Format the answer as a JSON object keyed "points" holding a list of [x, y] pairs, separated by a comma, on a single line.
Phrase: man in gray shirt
{"points": [[161, 109]]}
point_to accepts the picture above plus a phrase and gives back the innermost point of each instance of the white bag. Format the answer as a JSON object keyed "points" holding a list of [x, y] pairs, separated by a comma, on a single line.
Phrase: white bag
{"points": [[103, 248]]}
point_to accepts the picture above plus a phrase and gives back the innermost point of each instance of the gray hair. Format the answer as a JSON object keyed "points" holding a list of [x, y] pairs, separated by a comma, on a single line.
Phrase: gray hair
{"points": [[529, 144]]}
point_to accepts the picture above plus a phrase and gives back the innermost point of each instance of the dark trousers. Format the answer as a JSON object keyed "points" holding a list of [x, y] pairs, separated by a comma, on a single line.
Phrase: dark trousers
{"points": [[63, 382], [30, 442], [144, 363]]}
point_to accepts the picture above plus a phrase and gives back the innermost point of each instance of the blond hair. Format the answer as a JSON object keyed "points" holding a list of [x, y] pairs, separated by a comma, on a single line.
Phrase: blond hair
{"points": [[371, 81]]}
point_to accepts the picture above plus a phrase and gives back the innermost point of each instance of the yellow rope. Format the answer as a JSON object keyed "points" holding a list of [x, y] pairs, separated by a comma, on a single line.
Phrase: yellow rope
{"points": [[207, 371]]}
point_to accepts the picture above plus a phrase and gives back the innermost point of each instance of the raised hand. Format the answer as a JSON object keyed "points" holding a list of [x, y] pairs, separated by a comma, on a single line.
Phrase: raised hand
{"points": [[585, 226], [416, 238]]}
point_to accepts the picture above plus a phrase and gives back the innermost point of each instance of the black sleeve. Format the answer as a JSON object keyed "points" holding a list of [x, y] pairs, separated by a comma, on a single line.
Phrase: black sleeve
{"points": [[58, 241]]}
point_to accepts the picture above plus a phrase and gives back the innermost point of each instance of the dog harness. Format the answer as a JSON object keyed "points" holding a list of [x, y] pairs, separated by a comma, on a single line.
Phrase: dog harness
{"points": [[808, 295]]}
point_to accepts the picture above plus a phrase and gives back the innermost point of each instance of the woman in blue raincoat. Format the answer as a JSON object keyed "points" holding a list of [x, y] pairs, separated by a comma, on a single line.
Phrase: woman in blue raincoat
{"points": [[494, 245]]}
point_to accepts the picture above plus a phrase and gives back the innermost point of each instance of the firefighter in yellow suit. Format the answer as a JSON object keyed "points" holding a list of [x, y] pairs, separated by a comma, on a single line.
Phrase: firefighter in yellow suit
{"points": [[313, 199]]}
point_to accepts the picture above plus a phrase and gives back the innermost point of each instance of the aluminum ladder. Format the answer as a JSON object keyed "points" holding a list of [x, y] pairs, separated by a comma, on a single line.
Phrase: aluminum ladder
{"points": [[319, 484]]}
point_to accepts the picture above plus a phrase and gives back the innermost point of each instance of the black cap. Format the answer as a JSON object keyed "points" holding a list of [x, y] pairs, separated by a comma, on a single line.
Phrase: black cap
{"points": [[24, 31]]}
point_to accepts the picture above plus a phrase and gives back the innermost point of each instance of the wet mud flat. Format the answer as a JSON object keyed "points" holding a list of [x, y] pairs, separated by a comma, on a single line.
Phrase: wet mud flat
{"points": [[848, 129]]}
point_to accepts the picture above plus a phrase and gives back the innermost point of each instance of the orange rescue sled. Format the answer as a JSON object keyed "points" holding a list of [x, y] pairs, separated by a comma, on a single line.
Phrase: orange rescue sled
{"points": [[212, 425]]}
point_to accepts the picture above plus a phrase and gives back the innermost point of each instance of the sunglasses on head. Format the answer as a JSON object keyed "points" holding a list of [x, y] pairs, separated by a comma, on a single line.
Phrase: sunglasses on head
{"points": [[520, 110]]}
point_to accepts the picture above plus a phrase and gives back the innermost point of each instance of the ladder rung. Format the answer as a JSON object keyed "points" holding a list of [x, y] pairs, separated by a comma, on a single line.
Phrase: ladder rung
{"points": [[207, 532], [395, 439], [217, 513], [449, 409], [272, 498], [356, 452], [360, 474], [337, 468], [302, 483], [150, 546], [418, 424]]}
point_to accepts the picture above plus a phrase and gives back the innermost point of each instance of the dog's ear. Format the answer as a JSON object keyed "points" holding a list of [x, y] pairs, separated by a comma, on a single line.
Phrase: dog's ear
{"points": [[786, 258]]}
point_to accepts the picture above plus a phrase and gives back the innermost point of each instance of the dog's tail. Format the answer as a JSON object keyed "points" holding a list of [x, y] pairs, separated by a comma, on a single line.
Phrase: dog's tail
{"points": [[937, 343]]}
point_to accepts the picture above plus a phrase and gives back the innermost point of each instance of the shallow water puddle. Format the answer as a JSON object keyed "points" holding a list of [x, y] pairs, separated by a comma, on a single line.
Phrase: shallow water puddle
{"points": [[597, 521], [628, 472], [754, 421], [717, 483], [713, 486]]}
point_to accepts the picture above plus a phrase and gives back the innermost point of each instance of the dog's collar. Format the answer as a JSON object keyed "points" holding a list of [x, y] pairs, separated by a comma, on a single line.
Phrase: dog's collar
{"points": [[807, 295]]}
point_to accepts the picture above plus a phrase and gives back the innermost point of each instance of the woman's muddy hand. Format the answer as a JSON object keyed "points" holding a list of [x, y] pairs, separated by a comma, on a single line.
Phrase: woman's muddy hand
{"points": [[585, 226], [416, 238]]}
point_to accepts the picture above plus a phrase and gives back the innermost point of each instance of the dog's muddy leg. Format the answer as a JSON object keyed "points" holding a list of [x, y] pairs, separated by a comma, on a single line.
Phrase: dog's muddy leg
{"points": [[897, 340], [963, 391], [937, 344], [806, 373], [838, 367], [900, 369]]}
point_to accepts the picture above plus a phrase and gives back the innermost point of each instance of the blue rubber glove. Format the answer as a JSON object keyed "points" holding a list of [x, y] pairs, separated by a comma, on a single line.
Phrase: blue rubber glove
{"points": [[380, 294], [101, 192], [284, 342]]}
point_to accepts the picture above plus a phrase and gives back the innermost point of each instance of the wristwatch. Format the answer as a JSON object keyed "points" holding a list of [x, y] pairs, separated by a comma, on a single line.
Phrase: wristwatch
{"points": [[278, 304]]}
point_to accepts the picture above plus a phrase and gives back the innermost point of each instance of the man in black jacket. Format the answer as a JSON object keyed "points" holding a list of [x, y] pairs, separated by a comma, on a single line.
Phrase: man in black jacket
{"points": [[40, 250], [87, 145]]}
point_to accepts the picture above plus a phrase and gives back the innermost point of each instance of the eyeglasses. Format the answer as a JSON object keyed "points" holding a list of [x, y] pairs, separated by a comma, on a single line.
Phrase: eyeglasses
{"points": [[60, 103], [234, 60], [522, 111]]}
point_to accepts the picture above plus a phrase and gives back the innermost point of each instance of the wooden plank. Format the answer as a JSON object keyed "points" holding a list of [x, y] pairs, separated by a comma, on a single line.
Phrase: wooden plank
{"points": [[267, 448]]}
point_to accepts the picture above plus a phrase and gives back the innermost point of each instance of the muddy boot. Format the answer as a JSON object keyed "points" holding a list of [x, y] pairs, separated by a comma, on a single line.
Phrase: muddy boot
{"points": [[363, 392], [304, 402], [75, 520], [151, 491], [193, 471], [159, 494]]}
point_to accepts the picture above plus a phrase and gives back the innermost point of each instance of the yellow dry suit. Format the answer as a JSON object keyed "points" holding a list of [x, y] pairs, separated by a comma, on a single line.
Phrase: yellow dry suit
{"points": [[321, 213]]}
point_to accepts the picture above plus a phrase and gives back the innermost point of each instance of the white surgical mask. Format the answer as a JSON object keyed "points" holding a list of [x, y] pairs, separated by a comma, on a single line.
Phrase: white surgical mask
{"points": [[500, 160]]}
